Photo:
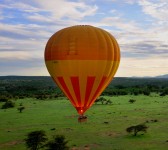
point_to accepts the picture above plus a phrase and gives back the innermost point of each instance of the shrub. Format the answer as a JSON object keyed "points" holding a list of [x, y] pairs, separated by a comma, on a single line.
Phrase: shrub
{"points": [[21, 108], [146, 92], [3, 99], [58, 143], [8, 104], [132, 101], [137, 128], [41, 97], [103, 101], [35, 140]]}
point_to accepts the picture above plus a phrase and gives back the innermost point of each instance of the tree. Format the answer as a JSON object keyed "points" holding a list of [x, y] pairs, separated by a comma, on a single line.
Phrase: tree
{"points": [[8, 104], [132, 101], [137, 128], [58, 143], [21, 108], [3, 98], [103, 100], [108, 102], [146, 92], [35, 140]]}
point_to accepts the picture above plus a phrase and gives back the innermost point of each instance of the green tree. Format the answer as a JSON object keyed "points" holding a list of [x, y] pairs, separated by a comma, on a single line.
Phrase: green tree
{"points": [[35, 140], [58, 143], [101, 99], [146, 92], [21, 108], [3, 98], [132, 101], [137, 128], [8, 104]]}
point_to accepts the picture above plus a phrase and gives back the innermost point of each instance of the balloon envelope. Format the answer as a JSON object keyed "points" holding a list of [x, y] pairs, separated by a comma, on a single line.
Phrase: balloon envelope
{"points": [[82, 60]]}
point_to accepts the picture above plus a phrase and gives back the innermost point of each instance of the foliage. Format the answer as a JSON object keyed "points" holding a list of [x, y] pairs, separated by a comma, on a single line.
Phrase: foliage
{"points": [[164, 92], [58, 117], [58, 143], [44, 87], [3, 98], [137, 128], [8, 104], [132, 101], [103, 101], [41, 96], [21, 108], [35, 140]]}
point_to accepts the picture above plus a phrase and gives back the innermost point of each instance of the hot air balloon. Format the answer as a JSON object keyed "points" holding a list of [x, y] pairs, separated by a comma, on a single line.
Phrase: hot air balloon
{"points": [[82, 60]]}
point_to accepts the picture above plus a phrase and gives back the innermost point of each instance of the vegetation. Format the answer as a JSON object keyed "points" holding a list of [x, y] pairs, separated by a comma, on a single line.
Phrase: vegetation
{"points": [[14, 87], [105, 125], [21, 108], [132, 101], [35, 140], [8, 104], [103, 100], [137, 128], [58, 143]]}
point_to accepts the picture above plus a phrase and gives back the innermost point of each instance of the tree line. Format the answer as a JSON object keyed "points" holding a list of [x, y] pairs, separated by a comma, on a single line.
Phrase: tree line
{"points": [[18, 87]]}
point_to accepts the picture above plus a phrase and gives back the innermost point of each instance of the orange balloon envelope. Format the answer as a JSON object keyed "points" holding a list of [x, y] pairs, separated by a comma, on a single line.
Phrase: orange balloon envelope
{"points": [[82, 60]]}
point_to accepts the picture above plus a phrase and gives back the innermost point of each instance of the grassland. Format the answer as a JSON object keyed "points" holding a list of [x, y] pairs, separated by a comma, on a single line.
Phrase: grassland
{"points": [[104, 129]]}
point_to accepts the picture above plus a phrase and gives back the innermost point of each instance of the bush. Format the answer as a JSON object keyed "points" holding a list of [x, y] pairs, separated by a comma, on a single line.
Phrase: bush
{"points": [[3, 99], [164, 92], [137, 128], [146, 92], [103, 101], [35, 140], [132, 101], [58, 143], [21, 108], [8, 104]]}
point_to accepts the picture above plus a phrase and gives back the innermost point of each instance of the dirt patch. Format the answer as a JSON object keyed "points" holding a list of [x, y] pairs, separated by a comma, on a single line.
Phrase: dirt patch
{"points": [[112, 134], [86, 147], [11, 143]]}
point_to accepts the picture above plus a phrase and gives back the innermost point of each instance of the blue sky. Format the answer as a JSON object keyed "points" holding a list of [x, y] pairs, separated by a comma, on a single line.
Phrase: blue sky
{"points": [[140, 27]]}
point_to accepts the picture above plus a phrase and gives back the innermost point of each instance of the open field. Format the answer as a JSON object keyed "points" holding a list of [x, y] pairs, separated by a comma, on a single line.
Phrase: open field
{"points": [[104, 130]]}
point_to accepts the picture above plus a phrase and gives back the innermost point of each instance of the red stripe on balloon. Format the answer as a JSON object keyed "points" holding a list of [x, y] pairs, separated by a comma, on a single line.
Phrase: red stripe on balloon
{"points": [[67, 92], [76, 87], [98, 90], [89, 86]]}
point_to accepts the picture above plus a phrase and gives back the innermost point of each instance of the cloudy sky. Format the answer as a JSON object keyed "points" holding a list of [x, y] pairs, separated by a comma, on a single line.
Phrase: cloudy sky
{"points": [[140, 27]]}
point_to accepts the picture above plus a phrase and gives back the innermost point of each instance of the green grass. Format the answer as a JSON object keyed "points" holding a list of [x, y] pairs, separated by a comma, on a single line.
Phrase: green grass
{"points": [[61, 116]]}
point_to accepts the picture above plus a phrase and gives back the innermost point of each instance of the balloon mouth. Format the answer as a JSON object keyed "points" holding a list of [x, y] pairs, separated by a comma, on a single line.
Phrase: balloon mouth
{"points": [[81, 110]]}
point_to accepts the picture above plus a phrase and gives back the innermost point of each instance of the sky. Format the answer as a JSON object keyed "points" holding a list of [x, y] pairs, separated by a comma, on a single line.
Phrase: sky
{"points": [[140, 27]]}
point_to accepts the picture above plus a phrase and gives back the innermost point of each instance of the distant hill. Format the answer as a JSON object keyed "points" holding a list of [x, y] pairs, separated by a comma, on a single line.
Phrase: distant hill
{"points": [[162, 76], [45, 81]]}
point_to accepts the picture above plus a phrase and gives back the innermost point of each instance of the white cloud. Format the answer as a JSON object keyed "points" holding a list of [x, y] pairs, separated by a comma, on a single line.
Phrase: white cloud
{"points": [[156, 9], [9, 55], [22, 29], [41, 18], [137, 41], [19, 5], [54, 9], [62, 8], [120, 24], [144, 47]]}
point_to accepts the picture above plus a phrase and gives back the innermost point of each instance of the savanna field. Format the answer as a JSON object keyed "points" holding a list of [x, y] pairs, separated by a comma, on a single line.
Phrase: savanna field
{"points": [[105, 128]]}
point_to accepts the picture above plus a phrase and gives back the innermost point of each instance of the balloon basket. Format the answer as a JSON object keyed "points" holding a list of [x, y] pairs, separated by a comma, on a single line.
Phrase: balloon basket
{"points": [[82, 119]]}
